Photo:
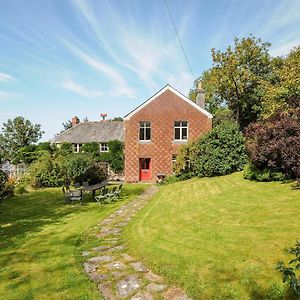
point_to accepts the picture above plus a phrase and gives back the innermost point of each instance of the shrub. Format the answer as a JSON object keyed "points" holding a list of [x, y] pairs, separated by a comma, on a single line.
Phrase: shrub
{"points": [[20, 189], [252, 173], [81, 167], [274, 144], [219, 152], [115, 155], [91, 148], [6, 186], [45, 172], [289, 273]]}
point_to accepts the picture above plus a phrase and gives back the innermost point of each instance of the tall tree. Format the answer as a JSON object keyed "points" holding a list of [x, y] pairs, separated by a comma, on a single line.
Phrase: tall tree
{"points": [[283, 91], [18, 133], [235, 78]]}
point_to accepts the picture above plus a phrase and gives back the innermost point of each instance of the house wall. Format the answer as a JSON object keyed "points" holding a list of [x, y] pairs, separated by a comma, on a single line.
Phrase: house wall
{"points": [[161, 112]]}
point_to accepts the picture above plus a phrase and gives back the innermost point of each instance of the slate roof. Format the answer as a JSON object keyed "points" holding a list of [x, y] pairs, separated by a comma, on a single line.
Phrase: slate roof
{"points": [[87, 132]]}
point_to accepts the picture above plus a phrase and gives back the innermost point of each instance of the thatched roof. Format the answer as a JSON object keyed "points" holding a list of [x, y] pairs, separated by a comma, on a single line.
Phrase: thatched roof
{"points": [[88, 132]]}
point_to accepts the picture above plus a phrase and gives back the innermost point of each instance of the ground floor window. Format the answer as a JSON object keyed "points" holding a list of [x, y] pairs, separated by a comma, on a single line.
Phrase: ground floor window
{"points": [[104, 147], [77, 147]]}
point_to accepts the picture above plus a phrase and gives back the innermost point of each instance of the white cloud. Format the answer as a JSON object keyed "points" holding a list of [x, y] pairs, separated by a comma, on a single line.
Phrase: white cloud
{"points": [[151, 55], [284, 49], [5, 77], [7, 114], [6, 96], [81, 90], [121, 88]]}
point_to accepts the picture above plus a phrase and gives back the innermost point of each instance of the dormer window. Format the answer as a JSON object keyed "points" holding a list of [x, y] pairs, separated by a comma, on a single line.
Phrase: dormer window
{"points": [[180, 130], [145, 131]]}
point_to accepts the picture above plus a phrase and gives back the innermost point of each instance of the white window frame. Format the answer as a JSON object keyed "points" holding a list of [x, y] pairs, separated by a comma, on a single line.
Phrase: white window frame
{"points": [[143, 125], [180, 128], [77, 147], [103, 147]]}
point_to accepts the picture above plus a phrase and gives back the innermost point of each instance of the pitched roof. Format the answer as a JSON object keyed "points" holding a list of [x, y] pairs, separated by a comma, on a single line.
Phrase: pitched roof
{"points": [[88, 132], [170, 88]]}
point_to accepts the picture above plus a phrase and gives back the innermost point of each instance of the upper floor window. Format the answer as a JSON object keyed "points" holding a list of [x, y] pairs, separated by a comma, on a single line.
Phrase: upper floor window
{"points": [[77, 147], [145, 131], [180, 130], [104, 147]]}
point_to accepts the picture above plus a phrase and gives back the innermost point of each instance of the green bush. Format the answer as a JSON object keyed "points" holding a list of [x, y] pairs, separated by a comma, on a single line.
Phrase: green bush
{"points": [[20, 189], [252, 173], [45, 172], [91, 148], [170, 179], [6, 186], [289, 272], [81, 168], [219, 152]]}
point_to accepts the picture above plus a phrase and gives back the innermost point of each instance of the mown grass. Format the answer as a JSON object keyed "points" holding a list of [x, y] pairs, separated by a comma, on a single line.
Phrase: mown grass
{"points": [[218, 238], [41, 240]]}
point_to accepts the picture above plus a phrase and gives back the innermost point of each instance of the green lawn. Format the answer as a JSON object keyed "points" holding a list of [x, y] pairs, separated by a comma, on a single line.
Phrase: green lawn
{"points": [[41, 240], [218, 238]]}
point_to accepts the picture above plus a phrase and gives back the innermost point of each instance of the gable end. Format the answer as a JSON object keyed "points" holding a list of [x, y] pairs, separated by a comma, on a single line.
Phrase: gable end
{"points": [[170, 88]]}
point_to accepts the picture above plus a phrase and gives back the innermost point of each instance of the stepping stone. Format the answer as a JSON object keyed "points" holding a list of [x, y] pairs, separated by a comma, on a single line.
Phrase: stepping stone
{"points": [[127, 285], [116, 265], [142, 296], [88, 267], [85, 253], [127, 257], [106, 291], [107, 231], [118, 248], [153, 277], [154, 287], [100, 248], [138, 266], [122, 224], [96, 277], [174, 293], [118, 274], [104, 258]]}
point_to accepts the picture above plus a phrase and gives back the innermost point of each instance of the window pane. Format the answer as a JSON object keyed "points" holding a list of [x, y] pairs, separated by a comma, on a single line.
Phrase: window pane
{"points": [[147, 124], [184, 124], [176, 124], [177, 133], [148, 133], [184, 134], [141, 134]]}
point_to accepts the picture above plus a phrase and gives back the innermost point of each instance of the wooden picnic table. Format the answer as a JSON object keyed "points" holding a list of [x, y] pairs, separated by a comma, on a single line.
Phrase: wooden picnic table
{"points": [[94, 187]]}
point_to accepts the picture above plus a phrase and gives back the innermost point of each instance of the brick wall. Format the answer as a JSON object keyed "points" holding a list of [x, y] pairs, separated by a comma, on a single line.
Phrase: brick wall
{"points": [[161, 112]]}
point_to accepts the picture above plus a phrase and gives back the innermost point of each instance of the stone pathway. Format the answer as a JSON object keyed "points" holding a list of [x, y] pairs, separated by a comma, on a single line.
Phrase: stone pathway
{"points": [[116, 273]]}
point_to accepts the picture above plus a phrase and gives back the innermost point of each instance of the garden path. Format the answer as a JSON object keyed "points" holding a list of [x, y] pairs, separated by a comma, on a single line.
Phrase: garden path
{"points": [[117, 274]]}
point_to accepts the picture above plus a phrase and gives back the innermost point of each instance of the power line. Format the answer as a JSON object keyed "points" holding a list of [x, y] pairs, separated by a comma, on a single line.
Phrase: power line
{"points": [[178, 37]]}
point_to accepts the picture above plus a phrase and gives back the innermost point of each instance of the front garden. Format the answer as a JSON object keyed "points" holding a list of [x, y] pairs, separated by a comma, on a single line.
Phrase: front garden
{"points": [[41, 240]]}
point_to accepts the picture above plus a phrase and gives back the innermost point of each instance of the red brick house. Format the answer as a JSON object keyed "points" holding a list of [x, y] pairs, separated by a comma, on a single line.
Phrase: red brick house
{"points": [[156, 129]]}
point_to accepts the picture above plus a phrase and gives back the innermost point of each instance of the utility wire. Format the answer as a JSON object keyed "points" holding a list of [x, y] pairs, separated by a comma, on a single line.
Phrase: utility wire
{"points": [[178, 37]]}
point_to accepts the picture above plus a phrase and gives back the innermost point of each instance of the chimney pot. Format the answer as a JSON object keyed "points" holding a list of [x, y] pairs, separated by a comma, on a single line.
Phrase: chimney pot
{"points": [[75, 121], [103, 116], [200, 98]]}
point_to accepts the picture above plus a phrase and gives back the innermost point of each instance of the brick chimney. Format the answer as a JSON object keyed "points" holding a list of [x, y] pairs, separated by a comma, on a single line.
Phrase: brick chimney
{"points": [[75, 121], [200, 98], [103, 116]]}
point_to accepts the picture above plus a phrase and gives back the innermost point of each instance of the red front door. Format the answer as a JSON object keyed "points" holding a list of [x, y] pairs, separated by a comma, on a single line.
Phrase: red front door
{"points": [[145, 169]]}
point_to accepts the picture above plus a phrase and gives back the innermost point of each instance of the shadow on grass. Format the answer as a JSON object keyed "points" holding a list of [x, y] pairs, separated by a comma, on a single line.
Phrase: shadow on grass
{"points": [[30, 212]]}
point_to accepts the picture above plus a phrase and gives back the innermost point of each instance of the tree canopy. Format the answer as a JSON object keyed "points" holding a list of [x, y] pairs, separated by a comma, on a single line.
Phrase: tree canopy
{"points": [[18, 133], [235, 78]]}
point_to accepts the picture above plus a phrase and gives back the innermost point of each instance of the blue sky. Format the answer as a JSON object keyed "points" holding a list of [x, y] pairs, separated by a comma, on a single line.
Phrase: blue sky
{"points": [[61, 58]]}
